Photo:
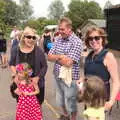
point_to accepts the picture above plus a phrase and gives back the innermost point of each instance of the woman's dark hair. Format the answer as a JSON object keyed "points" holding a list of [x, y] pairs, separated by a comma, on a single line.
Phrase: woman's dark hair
{"points": [[94, 91], [100, 31]]}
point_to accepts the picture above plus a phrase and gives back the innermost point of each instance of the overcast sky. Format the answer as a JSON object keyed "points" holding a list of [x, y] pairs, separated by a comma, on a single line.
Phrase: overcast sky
{"points": [[40, 7]]}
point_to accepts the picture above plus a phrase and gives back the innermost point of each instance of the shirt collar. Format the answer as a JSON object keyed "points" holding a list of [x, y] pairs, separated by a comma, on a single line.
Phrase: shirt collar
{"points": [[68, 38]]}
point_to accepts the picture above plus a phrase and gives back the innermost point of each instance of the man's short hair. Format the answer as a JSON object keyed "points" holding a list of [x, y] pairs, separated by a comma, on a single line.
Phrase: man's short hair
{"points": [[66, 20]]}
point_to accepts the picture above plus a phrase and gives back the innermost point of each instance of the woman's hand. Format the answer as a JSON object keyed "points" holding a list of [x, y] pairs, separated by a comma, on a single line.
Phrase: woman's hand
{"points": [[16, 80], [13, 75], [18, 92], [35, 79], [108, 105], [81, 80], [78, 82]]}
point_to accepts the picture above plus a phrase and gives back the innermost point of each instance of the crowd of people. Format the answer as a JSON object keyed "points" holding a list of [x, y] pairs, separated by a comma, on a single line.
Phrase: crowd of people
{"points": [[28, 65]]}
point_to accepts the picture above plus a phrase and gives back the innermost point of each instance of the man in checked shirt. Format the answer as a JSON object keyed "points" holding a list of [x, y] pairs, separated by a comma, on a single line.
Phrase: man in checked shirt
{"points": [[66, 51]]}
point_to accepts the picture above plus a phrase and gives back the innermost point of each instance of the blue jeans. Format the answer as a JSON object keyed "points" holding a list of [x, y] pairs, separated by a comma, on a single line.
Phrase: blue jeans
{"points": [[66, 96]]}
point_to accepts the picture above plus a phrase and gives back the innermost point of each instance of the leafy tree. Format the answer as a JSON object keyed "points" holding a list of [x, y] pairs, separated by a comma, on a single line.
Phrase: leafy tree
{"points": [[21, 15], [56, 9], [40, 23], [3, 26], [2, 9], [44, 21], [26, 9], [12, 14], [79, 11]]}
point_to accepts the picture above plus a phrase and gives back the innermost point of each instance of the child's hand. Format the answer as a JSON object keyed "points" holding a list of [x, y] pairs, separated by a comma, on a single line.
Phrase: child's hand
{"points": [[26, 93], [78, 82], [108, 105]]}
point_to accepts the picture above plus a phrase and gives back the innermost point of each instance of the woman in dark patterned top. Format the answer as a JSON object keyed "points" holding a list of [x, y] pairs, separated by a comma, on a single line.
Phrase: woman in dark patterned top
{"points": [[28, 52]]}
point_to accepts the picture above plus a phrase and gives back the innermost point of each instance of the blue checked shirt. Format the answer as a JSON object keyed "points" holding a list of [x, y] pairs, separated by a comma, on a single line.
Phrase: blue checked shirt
{"points": [[72, 47]]}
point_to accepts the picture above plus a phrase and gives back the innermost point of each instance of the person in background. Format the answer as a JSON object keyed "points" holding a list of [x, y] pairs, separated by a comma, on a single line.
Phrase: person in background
{"points": [[17, 39], [14, 36], [46, 39], [27, 51], [79, 33], [56, 35], [92, 93], [102, 63], [37, 40], [66, 53], [3, 49]]}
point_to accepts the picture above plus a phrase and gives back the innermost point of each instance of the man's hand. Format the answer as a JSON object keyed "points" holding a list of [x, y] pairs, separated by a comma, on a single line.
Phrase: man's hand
{"points": [[66, 61], [62, 56], [55, 58]]}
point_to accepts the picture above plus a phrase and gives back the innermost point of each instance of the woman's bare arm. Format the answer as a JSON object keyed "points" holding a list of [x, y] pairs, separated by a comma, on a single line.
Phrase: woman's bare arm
{"points": [[112, 67]]}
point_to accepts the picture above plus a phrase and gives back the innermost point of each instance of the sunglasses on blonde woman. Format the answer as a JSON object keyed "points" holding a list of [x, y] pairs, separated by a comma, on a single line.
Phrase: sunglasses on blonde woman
{"points": [[29, 37], [96, 38]]}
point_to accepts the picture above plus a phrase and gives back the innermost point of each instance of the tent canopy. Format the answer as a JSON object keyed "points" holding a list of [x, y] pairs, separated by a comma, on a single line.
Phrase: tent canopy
{"points": [[50, 27]]}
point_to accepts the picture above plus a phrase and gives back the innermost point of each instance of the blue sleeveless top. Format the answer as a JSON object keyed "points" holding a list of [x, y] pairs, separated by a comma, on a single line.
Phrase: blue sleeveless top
{"points": [[95, 66]]}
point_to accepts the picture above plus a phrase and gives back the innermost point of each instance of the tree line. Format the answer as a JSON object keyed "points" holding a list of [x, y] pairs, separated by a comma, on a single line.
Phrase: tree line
{"points": [[12, 14]]}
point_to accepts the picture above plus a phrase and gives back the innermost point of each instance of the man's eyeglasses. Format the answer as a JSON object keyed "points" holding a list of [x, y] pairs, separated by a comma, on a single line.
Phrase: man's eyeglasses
{"points": [[29, 37], [96, 38]]}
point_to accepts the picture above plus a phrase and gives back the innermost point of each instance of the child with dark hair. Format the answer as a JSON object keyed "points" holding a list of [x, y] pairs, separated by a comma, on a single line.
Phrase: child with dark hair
{"points": [[28, 107], [92, 92]]}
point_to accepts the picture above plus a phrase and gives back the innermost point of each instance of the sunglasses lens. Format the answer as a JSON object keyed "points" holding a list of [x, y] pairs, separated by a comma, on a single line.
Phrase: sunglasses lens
{"points": [[96, 38], [89, 38], [34, 38], [29, 37]]}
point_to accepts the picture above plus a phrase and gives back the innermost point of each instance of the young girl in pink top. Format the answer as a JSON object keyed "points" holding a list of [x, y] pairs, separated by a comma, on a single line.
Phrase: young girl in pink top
{"points": [[28, 107]]}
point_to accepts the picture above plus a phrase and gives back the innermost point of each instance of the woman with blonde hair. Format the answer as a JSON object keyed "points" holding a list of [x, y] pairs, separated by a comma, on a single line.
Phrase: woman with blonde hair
{"points": [[28, 52]]}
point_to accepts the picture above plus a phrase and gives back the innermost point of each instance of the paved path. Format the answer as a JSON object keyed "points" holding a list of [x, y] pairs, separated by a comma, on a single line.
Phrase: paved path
{"points": [[50, 109]]}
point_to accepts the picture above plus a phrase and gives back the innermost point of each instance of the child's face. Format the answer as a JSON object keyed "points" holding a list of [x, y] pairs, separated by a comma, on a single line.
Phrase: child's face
{"points": [[21, 75]]}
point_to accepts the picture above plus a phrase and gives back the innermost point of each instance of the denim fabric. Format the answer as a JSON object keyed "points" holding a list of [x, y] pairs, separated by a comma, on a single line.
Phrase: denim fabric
{"points": [[66, 96]]}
